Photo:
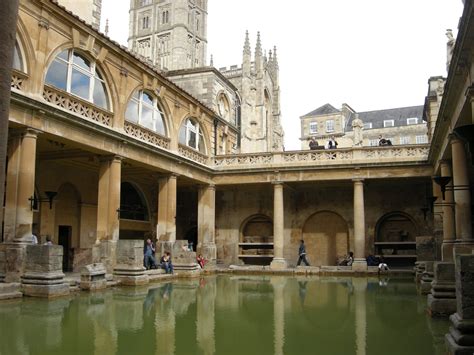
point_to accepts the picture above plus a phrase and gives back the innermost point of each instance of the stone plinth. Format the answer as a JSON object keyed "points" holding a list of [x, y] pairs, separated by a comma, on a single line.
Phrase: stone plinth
{"points": [[460, 339], [14, 261], [442, 299], [105, 253], [93, 277], [420, 267], [278, 264], [425, 248], [427, 278], [359, 265], [9, 291], [43, 275], [129, 270], [183, 260]]}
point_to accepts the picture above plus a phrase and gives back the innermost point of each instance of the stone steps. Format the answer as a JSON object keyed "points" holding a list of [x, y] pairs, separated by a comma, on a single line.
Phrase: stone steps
{"points": [[10, 291]]}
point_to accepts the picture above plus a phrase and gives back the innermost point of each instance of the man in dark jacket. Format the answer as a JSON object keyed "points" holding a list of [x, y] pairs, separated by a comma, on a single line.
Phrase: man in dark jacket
{"points": [[302, 254]]}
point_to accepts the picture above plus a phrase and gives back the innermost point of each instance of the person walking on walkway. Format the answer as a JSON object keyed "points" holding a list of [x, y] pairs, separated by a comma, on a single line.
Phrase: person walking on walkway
{"points": [[302, 254]]}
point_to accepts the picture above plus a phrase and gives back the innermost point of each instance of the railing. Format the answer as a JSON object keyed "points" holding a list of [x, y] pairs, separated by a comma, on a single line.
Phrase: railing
{"points": [[18, 80], [192, 154], [146, 135], [74, 104], [368, 155]]}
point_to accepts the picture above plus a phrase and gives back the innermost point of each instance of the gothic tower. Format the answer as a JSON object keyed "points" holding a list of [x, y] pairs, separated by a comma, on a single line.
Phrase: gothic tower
{"points": [[172, 34]]}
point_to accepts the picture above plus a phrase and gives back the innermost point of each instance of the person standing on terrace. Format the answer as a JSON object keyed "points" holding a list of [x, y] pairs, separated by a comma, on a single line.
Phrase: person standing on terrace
{"points": [[302, 254]]}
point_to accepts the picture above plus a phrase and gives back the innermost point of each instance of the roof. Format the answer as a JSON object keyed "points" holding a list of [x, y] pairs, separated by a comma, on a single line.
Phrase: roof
{"points": [[323, 110], [398, 115]]}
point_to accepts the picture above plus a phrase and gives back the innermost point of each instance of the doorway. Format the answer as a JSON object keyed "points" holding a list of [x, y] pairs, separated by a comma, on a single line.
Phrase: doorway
{"points": [[64, 239]]}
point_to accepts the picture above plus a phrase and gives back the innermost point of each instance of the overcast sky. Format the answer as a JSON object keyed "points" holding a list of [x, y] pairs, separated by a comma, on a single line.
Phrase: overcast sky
{"points": [[370, 54]]}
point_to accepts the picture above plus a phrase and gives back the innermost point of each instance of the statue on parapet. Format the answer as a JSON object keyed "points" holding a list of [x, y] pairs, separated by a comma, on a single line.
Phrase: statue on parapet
{"points": [[357, 127], [449, 47]]}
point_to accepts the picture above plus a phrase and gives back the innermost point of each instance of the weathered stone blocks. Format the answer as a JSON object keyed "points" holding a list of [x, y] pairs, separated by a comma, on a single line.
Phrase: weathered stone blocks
{"points": [[129, 270], [460, 339], [425, 248], [427, 278], [442, 299], [93, 277], [43, 276]]}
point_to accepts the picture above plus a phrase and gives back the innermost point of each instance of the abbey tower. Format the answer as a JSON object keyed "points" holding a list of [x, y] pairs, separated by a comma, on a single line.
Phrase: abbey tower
{"points": [[172, 34]]}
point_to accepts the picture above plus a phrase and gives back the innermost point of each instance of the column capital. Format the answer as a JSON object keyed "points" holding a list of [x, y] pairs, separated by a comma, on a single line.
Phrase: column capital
{"points": [[277, 183], [454, 138], [445, 162], [31, 133], [111, 158], [358, 180], [208, 186]]}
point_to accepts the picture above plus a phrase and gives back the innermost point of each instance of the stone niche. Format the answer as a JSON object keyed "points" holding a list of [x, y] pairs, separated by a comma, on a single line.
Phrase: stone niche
{"points": [[93, 277], [129, 270], [43, 276]]}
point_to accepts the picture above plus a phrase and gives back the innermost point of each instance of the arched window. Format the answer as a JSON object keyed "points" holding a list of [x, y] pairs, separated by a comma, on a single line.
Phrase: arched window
{"points": [[223, 106], [72, 72], [17, 60], [191, 135], [143, 109]]}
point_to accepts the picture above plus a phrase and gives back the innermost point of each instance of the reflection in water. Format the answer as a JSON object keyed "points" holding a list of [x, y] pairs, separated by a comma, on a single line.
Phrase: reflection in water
{"points": [[229, 315]]}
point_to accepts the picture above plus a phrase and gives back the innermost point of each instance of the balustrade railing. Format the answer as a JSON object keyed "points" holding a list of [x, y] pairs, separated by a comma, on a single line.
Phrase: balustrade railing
{"points": [[74, 104], [146, 135], [18, 80], [192, 154], [332, 157]]}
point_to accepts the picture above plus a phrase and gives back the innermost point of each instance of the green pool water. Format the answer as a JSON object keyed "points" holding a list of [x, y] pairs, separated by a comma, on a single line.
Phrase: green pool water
{"points": [[229, 315]]}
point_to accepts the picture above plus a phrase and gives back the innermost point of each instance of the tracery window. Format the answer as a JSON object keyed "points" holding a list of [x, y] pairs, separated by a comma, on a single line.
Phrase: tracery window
{"points": [[191, 135], [144, 109], [74, 73]]}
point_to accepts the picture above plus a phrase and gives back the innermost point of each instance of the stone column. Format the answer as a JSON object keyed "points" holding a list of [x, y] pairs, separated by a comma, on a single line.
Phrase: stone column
{"points": [[108, 204], [20, 187], [360, 264], [206, 222], [166, 223], [462, 198], [460, 339], [278, 284], [449, 235], [278, 261], [360, 290], [205, 314]]}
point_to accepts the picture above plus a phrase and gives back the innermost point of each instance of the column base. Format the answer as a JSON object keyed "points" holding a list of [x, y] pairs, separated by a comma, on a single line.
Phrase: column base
{"points": [[463, 247], [442, 299], [278, 264], [447, 251], [208, 251], [427, 278], [359, 265], [15, 259], [460, 339]]}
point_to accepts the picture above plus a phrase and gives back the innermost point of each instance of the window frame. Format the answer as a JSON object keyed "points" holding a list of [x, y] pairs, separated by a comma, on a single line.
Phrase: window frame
{"points": [[412, 118], [368, 125], [94, 73], [156, 107], [392, 123], [197, 130], [421, 139], [330, 125], [404, 140], [313, 127]]}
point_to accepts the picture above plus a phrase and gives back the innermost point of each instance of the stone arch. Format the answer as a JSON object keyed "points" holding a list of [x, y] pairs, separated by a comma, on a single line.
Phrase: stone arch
{"points": [[396, 226], [162, 105], [202, 126], [111, 90], [326, 238], [24, 42], [255, 232], [67, 223], [133, 203]]}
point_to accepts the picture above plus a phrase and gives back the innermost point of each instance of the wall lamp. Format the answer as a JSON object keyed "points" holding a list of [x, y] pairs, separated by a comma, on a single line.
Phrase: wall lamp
{"points": [[442, 181], [50, 197]]}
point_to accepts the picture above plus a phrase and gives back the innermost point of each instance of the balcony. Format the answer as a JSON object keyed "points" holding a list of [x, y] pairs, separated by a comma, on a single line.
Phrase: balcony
{"points": [[414, 154]]}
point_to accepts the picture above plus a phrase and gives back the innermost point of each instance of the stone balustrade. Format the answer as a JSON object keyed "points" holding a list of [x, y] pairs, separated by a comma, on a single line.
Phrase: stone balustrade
{"points": [[18, 80], [192, 154], [335, 157]]}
